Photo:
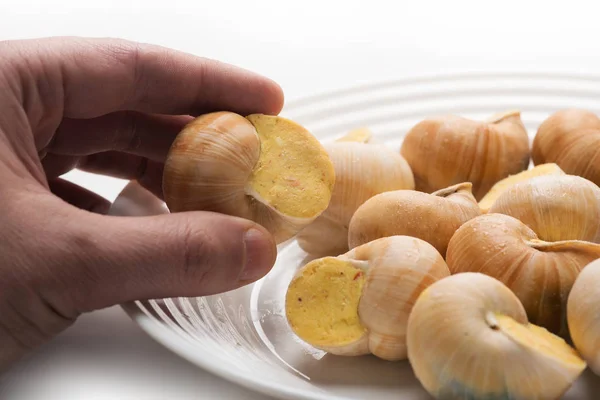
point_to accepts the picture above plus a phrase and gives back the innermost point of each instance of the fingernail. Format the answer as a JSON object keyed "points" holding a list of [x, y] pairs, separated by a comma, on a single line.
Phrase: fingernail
{"points": [[260, 256]]}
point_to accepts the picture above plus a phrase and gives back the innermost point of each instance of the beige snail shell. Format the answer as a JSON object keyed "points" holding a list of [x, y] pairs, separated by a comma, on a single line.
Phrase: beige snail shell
{"points": [[264, 168], [540, 273], [361, 172], [358, 303], [502, 186], [583, 314], [556, 207], [447, 150], [431, 217], [469, 338], [571, 139]]}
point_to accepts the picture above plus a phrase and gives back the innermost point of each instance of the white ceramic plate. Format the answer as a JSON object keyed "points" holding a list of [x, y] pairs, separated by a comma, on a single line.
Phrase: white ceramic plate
{"points": [[243, 336]]}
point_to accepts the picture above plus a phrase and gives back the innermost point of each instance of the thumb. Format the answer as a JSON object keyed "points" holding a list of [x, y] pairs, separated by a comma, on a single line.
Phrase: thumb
{"points": [[122, 259]]}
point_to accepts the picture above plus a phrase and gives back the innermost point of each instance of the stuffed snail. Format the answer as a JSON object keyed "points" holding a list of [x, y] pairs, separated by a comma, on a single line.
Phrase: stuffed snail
{"points": [[540, 273], [556, 207], [469, 338], [431, 217], [448, 150], [358, 303], [358, 135], [361, 172], [571, 139], [583, 314], [502, 186], [263, 168]]}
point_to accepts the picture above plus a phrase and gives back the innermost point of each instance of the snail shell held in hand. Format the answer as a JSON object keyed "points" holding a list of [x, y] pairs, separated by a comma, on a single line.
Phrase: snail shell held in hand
{"points": [[264, 168]]}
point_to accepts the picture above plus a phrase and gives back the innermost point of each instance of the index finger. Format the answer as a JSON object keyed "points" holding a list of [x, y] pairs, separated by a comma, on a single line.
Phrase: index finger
{"points": [[100, 76]]}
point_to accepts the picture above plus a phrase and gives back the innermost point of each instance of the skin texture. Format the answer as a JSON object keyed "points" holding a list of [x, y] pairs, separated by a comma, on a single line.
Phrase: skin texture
{"points": [[110, 107]]}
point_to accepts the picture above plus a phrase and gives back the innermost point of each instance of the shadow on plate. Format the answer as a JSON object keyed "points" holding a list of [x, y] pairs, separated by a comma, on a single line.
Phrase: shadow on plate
{"points": [[586, 388], [359, 371], [369, 371]]}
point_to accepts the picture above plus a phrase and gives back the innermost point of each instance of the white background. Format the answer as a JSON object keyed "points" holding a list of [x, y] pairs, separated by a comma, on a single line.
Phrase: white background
{"points": [[307, 46]]}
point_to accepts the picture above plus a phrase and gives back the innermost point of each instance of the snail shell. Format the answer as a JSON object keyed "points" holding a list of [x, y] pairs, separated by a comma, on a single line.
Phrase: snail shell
{"points": [[571, 139], [447, 150], [431, 217], [556, 207], [361, 172], [502, 186], [540, 273], [358, 303], [469, 338], [583, 314], [264, 168]]}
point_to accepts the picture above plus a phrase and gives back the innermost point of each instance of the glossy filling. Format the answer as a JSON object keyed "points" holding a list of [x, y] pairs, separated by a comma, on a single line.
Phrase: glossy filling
{"points": [[539, 339], [360, 135], [322, 303], [294, 173]]}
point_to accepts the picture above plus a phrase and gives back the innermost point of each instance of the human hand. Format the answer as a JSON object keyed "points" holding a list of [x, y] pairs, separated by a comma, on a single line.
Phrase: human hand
{"points": [[110, 107]]}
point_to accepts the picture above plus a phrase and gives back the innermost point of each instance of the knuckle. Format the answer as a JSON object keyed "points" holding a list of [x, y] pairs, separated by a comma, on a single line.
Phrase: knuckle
{"points": [[28, 317], [129, 55], [197, 252], [11, 49], [31, 302], [128, 137], [141, 173], [119, 50]]}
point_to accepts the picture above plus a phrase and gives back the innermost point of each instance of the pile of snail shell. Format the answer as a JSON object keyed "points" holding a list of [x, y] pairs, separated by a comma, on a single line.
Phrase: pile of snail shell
{"points": [[472, 253]]}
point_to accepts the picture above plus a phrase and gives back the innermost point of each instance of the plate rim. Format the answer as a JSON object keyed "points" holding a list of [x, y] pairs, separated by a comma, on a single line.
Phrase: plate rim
{"points": [[453, 75], [165, 337]]}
